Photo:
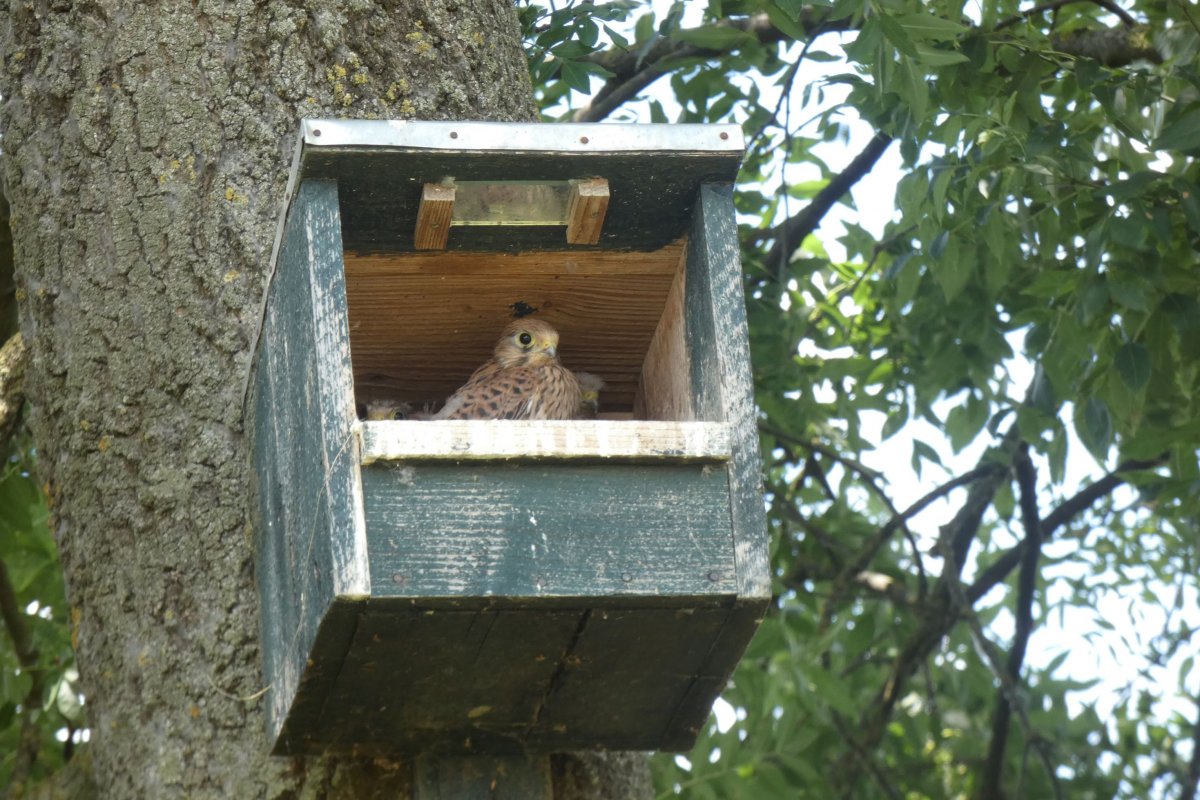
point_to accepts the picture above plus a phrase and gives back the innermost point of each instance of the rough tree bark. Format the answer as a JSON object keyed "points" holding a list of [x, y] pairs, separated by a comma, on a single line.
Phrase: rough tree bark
{"points": [[146, 146]]}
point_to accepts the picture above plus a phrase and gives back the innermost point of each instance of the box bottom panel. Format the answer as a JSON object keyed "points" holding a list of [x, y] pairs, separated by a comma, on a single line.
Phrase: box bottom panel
{"points": [[519, 679]]}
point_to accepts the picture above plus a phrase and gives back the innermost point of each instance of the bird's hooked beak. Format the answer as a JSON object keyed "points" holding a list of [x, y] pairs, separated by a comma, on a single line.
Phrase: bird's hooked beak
{"points": [[550, 348]]}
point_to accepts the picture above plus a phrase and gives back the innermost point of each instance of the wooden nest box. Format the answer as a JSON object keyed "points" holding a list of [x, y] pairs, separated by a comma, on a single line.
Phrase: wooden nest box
{"points": [[505, 585]]}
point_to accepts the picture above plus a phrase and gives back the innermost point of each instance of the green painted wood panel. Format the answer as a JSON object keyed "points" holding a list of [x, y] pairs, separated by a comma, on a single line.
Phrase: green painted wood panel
{"points": [[723, 387], [549, 530], [304, 453], [304, 729], [532, 679], [415, 679], [626, 676]]}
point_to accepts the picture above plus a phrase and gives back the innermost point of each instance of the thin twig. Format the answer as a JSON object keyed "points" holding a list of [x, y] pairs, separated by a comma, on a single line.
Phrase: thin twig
{"points": [[864, 758]]}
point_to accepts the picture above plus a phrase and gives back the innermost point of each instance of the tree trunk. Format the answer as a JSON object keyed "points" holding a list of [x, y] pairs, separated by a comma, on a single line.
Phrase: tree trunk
{"points": [[146, 149]]}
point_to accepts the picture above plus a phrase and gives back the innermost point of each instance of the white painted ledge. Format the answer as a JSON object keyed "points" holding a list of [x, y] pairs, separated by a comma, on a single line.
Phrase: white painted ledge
{"points": [[477, 440]]}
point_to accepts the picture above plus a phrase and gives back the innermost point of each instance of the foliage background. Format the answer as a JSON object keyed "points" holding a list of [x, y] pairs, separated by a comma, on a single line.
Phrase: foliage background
{"points": [[1035, 301], [1027, 325]]}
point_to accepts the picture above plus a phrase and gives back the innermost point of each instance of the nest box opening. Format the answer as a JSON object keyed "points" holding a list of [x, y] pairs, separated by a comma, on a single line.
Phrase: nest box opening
{"points": [[443, 248], [421, 322]]}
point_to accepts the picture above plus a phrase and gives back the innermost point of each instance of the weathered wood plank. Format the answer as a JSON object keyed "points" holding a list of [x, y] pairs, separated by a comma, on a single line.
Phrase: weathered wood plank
{"points": [[605, 693], [335, 390], [560, 530], [305, 454], [605, 440], [520, 679], [586, 207], [433, 217], [306, 728], [718, 342], [665, 390], [726, 647], [450, 680]]}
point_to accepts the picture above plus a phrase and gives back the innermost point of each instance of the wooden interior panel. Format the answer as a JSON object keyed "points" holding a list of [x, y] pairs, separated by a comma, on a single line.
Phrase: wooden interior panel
{"points": [[665, 388], [420, 323]]}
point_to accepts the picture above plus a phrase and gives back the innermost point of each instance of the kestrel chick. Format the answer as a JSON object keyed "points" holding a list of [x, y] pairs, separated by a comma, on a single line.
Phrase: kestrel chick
{"points": [[523, 380], [387, 410], [589, 394]]}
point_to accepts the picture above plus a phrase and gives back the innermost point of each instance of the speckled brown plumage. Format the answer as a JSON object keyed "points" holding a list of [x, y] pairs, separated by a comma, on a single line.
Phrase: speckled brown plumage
{"points": [[523, 380]]}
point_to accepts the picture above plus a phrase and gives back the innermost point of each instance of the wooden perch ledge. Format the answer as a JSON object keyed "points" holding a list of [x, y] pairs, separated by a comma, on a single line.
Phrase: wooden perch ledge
{"points": [[472, 440]]}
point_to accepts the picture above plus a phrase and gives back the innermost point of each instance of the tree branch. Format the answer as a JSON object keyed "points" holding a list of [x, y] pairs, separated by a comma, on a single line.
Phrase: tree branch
{"points": [[792, 232], [856, 569], [1009, 701], [1127, 20], [998, 570], [1192, 780], [634, 70], [1009, 688]]}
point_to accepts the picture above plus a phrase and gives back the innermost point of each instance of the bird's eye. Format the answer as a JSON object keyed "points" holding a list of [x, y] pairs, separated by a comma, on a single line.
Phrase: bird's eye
{"points": [[524, 339]]}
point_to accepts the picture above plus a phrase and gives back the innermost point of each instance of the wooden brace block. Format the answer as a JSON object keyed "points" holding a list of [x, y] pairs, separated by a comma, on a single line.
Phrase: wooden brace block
{"points": [[433, 218], [586, 209]]}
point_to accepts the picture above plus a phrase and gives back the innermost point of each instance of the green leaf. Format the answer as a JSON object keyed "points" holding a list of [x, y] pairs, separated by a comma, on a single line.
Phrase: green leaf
{"points": [[923, 451], [715, 37], [1182, 133], [1095, 428], [938, 248], [927, 26], [643, 30], [1133, 365], [1041, 393], [894, 33], [786, 22], [913, 89], [617, 39], [1003, 501], [575, 75], [964, 422], [935, 57]]}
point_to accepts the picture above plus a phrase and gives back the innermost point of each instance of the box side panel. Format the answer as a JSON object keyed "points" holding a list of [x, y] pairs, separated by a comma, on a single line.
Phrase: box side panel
{"points": [[543, 530], [306, 464], [723, 387], [335, 389]]}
